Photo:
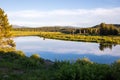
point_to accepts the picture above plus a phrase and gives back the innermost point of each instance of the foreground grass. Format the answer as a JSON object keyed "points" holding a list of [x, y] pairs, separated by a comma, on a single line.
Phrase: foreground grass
{"points": [[16, 66], [61, 36]]}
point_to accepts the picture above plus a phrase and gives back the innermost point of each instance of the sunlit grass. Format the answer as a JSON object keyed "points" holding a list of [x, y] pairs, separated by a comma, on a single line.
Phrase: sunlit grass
{"points": [[69, 37]]}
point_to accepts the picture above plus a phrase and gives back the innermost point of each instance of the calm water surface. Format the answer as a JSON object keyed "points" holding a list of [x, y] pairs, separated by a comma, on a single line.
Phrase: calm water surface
{"points": [[67, 50]]}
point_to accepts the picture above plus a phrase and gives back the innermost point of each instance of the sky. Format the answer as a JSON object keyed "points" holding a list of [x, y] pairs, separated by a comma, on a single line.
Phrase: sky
{"points": [[78, 13]]}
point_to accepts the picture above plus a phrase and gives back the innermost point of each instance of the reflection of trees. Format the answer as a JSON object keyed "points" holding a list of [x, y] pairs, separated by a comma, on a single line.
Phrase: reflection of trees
{"points": [[103, 46], [43, 38]]}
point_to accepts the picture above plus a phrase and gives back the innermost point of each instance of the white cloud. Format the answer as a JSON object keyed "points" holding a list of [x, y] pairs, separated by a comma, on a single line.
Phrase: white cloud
{"points": [[75, 17]]}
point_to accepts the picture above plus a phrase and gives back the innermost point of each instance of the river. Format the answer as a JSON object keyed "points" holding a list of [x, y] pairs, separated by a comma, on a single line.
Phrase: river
{"points": [[67, 50]]}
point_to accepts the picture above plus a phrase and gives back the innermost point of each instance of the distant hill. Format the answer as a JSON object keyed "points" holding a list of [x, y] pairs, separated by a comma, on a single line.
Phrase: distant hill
{"points": [[71, 27], [116, 25], [17, 26]]}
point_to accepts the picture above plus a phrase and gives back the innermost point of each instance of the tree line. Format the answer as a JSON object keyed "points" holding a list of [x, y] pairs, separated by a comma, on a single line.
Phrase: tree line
{"points": [[101, 29]]}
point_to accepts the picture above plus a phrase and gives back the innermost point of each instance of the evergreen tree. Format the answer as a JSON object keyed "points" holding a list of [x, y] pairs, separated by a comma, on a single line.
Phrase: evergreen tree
{"points": [[102, 29], [5, 35], [108, 29]]}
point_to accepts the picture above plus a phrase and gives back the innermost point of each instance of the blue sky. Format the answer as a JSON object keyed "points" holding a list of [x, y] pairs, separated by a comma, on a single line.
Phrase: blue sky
{"points": [[81, 13]]}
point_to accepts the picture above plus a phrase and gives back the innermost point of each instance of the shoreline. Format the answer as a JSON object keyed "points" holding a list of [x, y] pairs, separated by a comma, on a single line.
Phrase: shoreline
{"points": [[69, 37]]}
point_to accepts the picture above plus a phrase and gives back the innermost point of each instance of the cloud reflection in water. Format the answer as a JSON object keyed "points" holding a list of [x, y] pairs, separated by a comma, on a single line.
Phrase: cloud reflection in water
{"points": [[52, 49]]}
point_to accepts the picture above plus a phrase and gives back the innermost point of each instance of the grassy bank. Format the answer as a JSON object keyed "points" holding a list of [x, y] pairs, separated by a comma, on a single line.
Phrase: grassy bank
{"points": [[69, 37], [16, 66]]}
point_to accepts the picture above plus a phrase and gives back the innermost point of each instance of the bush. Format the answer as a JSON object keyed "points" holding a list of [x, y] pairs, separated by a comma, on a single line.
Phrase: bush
{"points": [[84, 61], [84, 70], [20, 53], [35, 56]]}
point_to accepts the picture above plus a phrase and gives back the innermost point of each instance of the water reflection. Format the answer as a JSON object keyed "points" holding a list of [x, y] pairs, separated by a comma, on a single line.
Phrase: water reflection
{"points": [[68, 50], [43, 38], [103, 46]]}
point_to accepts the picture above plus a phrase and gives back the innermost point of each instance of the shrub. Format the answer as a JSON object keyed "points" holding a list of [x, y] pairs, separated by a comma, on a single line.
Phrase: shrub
{"points": [[35, 56], [118, 61], [20, 53], [83, 61]]}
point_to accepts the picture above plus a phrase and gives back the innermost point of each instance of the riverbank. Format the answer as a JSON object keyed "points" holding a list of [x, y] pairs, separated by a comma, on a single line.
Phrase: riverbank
{"points": [[15, 65], [69, 37]]}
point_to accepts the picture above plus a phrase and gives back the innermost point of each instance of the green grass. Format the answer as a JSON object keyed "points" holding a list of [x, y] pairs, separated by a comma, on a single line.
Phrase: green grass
{"points": [[16, 66], [69, 37]]}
